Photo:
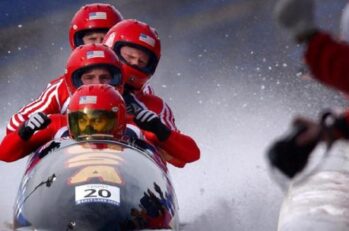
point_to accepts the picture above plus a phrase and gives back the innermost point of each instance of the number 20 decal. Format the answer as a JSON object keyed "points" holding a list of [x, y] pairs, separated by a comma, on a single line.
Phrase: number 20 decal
{"points": [[97, 193], [93, 193]]}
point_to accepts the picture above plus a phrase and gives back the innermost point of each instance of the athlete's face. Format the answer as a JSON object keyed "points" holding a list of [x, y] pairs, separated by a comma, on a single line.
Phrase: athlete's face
{"points": [[90, 123], [93, 37], [134, 56], [98, 75]]}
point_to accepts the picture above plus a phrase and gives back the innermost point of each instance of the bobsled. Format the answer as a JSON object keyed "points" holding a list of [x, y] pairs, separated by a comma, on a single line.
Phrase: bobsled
{"points": [[95, 185]]}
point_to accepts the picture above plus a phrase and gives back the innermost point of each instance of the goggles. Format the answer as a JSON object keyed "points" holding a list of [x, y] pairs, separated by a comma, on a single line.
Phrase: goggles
{"points": [[87, 124]]}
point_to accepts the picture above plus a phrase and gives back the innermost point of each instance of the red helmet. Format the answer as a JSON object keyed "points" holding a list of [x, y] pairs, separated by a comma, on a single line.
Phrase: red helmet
{"points": [[138, 35], [85, 57], [96, 17], [98, 111]]}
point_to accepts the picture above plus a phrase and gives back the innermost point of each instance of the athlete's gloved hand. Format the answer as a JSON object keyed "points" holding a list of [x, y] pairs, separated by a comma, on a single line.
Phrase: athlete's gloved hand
{"points": [[291, 156], [35, 122], [291, 153], [133, 108], [297, 16], [150, 121]]}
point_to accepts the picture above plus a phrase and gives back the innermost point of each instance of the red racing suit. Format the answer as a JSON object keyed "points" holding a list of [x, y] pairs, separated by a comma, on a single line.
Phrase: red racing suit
{"points": [[178, 146], [328, 60], [14, 148], [138, 101], [53, 100]]}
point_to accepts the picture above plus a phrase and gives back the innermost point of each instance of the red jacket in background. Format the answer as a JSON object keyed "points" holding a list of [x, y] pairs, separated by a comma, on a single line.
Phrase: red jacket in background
{"points": [[328, 60]]}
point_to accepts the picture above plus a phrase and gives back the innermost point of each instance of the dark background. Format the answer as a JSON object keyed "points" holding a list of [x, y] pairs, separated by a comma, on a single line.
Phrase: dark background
{"points": [[229, 73]]}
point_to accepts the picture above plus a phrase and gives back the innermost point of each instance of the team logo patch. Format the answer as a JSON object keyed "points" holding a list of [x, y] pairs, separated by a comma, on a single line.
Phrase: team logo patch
{"points": [[89, 99], [95, 54], [97, 193], [97, 15], [147, 39]]}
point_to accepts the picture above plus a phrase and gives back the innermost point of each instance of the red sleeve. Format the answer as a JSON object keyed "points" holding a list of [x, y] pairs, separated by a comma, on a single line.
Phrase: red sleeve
{"points": [[51, 101], [148, 90], [328, 60], [13, 147], [158, 105], [181, 148]]}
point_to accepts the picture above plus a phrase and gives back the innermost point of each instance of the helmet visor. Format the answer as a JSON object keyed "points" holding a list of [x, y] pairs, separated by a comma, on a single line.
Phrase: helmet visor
{"points": [[79, 35], [88, 123], [152, 62]]}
